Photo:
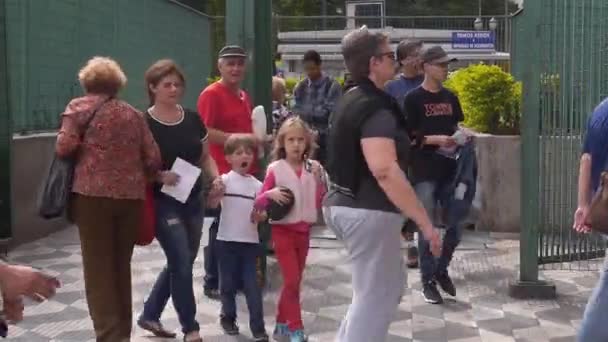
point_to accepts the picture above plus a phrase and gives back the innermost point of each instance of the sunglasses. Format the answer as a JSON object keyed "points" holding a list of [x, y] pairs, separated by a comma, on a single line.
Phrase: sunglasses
{"points": [[441, 65]]}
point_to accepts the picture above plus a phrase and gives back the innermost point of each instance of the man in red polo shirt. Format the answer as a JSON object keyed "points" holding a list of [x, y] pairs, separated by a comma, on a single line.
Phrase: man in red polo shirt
{"points": [[226, 109]]}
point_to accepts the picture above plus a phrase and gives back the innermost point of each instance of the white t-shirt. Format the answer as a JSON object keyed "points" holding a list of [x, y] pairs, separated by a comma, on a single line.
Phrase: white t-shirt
{"points": [[237, 204]]}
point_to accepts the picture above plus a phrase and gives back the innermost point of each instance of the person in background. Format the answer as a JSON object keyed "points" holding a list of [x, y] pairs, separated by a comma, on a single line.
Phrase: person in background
{"points": [[278, 66], [411, 74], [369, 192], [179, 133], [594, 160], [116, 155], [279, 110], [225, 109], [238, 240], [315, 97], [433, 115], [411, 77]]}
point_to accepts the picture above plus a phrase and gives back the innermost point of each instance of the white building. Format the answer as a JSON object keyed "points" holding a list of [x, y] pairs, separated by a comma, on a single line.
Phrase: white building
{"points": [[293, 45]]}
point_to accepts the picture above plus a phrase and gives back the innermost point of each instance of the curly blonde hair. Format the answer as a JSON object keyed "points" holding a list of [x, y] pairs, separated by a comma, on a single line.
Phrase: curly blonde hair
{"points": [[278, 89], [278, 150], [102, 75]]}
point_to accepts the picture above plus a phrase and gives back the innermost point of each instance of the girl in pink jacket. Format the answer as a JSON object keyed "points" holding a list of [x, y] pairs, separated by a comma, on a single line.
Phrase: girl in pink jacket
{"points": [[291, 233]]}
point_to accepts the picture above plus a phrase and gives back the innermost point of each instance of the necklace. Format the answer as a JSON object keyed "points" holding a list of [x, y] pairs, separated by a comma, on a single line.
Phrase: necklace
{"points": [[153, 114]]}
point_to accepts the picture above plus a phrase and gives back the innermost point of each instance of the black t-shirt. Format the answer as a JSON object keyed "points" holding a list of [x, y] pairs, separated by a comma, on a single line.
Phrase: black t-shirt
{"points": [[370, 195], [431, 113], [182, 139]]}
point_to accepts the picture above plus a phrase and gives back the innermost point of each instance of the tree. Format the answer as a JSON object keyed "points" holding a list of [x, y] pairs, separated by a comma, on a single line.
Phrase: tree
{"points": [[393, 7]]}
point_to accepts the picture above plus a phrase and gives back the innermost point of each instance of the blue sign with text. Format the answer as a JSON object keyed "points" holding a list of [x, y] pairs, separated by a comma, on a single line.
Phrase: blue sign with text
{"points": [[473, 40]]}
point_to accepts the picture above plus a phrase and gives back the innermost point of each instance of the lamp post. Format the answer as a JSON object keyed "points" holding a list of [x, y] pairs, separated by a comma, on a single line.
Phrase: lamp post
{"points": [[493, 24], [324, 13], [478, 24]]}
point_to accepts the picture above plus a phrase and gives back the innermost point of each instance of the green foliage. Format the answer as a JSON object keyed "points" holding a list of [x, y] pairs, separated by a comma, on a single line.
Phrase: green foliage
{"points": [[340, 80], [212, 79], [490, 98], [394, 7], [290, 83]]}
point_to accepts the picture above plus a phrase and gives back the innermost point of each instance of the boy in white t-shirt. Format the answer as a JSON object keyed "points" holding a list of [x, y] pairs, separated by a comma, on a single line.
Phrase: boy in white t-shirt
{"points": [[237, 238]]}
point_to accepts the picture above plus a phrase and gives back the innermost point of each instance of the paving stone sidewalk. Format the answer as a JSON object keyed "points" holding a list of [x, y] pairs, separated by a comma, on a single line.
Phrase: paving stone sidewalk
{"points": [[482, 311]]}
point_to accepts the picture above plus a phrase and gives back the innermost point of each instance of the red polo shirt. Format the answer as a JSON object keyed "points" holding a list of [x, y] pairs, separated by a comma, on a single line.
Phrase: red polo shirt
{"points": [[220, 108]]}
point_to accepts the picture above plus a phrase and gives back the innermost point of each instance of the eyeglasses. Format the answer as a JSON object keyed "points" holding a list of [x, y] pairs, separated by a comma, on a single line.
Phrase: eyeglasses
{"points": [[389, 54]]}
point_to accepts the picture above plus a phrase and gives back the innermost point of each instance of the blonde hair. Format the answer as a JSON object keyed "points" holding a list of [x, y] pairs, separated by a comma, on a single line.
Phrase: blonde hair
{"points": [[278, 150], [102, 75], [278, 89]]}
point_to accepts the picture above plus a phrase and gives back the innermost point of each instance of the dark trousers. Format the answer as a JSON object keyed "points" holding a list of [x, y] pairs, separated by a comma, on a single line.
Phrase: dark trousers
{"points": [[238, 263], [108, 228], [429, 265], [210, 252]]}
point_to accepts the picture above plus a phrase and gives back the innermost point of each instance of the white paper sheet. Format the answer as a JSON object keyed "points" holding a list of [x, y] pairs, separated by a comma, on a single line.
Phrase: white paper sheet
{"points": [[188, 174], [258, 118]]}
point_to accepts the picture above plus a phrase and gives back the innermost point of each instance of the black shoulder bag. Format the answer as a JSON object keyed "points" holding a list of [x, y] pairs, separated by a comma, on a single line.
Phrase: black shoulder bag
{"points": [[54, 198]]}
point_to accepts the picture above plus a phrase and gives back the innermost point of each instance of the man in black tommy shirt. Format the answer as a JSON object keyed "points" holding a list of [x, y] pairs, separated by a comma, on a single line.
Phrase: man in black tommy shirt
{"points": [[433, 114]]}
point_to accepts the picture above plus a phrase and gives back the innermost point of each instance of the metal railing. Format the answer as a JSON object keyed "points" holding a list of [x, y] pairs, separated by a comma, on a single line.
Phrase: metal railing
{"points": [[565, 77], [318, 26]]}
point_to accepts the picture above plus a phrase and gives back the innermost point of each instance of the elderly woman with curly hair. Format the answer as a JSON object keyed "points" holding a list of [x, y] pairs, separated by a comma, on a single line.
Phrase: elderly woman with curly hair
{"points": [[115, 154]]}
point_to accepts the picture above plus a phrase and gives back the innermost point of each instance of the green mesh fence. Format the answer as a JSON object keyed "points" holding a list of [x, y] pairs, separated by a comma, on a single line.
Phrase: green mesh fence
{"points": [[49, 40], [573, 79]]}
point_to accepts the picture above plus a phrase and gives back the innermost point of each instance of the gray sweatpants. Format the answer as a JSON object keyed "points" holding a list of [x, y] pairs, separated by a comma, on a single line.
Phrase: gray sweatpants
{"points": [[373, 242]]}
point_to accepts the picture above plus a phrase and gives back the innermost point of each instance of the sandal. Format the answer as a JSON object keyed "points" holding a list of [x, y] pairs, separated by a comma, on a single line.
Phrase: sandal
{"points": [[156, 328]]}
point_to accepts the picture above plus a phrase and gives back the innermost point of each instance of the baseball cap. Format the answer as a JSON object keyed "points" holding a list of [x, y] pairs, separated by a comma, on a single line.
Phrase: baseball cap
{"points": [[232, 51], [436, 55], [406, 48]]}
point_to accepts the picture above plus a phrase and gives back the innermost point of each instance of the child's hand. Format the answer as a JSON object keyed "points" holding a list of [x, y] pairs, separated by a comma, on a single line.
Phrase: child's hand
{"points": [[217, 188], [258, 216], [278, 195]]}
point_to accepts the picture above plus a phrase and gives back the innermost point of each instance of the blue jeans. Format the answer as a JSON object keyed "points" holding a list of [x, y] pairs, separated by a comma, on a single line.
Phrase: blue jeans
{"points": [[178, 230], [237, 262], [593, 327], [427, 193], [210, 251]]}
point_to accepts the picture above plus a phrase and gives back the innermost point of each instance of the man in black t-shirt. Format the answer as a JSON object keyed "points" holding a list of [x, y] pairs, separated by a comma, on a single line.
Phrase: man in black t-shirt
{"points": [[433, 114]]}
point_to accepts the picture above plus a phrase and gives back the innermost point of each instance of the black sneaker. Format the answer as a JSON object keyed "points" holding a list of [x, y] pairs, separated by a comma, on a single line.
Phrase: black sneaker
{"points": [[261, 337], [212, 293], [431, 294], [229, 326], [446, 284]]}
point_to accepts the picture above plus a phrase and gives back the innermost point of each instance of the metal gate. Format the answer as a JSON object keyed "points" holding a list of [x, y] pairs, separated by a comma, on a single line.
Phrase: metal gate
{"points": [[565, 77]]}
